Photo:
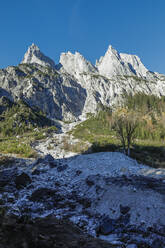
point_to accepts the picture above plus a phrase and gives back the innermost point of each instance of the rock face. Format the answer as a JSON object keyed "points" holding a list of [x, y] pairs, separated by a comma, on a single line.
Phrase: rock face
{"points": [[34, 55], [113, 64], [57, 94], [75, 87], [76, 64], [135, 64]]}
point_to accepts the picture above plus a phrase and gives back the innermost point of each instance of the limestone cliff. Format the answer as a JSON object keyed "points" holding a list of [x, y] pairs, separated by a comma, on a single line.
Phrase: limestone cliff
{"points": [[75, 87]]}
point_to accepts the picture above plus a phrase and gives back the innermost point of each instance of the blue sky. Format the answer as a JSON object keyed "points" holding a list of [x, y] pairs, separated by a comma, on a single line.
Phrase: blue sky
{"points": [[87, 26]]}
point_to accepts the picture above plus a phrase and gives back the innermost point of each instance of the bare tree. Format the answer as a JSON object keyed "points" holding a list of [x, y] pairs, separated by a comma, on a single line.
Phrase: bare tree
{"points": [[125, 126]]}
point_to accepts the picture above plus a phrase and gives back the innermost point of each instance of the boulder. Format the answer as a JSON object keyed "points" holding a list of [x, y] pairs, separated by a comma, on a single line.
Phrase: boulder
{"points": [[49, 158], [50, 197], [78, 172], [107, 226], [22, 180], [124, 209], [85, 202], [51, 161], [41, 194], [124, 219], [89, 181]]}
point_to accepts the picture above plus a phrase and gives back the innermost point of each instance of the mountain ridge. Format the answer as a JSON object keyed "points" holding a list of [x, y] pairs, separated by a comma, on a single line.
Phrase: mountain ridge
{"points": [[74, 87]]}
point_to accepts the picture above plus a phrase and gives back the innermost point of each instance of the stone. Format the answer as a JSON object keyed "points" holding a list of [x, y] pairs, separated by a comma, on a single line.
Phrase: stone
{"points": [[124, 219], [107, 226], [22, 180], [62, 167], [53, 164], [124, 209], [51, 161], [41, 194], [49, 158], [85, 202], [78, 172], [89, 182]]}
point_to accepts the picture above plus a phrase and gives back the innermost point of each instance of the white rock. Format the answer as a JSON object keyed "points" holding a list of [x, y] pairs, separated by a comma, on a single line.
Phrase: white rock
{"points": [[111, 64], [135, 64], [76, 64], [34, 55], [114, 63]]}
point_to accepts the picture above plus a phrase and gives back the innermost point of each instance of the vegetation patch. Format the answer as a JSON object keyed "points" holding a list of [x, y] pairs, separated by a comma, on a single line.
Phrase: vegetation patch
{"points": [[21, 125], [17, 147], [18, 118]]}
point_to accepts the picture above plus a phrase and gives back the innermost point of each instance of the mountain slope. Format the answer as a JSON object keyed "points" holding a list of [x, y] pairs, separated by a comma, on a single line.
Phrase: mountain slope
{"points": [[18, 118], [54, 93]]}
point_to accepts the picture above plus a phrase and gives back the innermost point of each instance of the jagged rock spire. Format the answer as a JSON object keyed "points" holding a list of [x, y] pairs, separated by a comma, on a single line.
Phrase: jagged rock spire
{"points": [[34, 55], [113, 63], [76, 64]]}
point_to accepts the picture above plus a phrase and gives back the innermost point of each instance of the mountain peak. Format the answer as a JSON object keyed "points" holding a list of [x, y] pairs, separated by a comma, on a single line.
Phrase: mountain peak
{"points": [[113, 63], [33, 47], [34, 55], [110, 64], [75, 64], [112, 50]]}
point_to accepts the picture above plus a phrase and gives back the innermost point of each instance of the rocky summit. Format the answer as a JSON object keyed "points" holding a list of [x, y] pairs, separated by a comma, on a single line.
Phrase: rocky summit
{"points": [[74, 87], [113, 64], [35, 56]]}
